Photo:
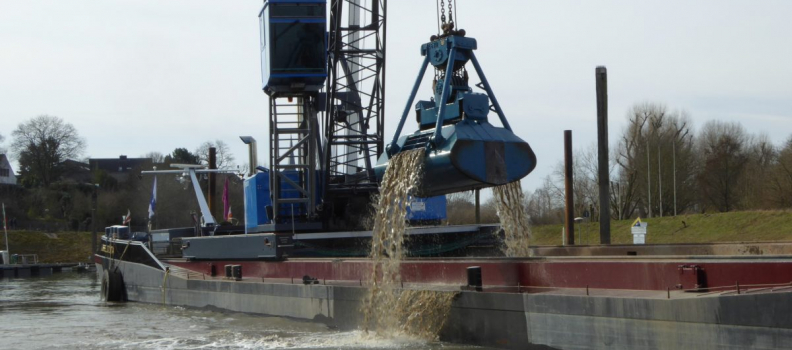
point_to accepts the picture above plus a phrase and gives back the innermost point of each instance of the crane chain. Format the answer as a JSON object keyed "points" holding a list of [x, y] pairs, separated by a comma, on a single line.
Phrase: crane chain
{"points": [[450, 11], [442, 11]]}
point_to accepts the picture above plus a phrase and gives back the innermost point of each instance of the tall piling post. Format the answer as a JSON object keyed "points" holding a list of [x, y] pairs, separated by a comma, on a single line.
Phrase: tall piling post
{"points": [[601, 74], [94, 235], [478, 206], [212, 180], [569, 213]]}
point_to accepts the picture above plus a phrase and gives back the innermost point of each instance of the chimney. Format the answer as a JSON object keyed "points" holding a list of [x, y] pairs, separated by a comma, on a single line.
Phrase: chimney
{"points": [[252, 153]]}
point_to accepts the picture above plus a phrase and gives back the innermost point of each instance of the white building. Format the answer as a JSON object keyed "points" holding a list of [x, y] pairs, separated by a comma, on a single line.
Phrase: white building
{"points": [[7, 176]]}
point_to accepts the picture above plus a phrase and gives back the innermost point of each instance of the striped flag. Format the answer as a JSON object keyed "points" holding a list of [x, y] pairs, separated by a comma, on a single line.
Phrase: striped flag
{"points": [[128, 218], [226, 202], [153, 201]]}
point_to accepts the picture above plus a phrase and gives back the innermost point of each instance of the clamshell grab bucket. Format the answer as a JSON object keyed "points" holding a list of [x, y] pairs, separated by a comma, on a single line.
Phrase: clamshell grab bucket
{"points": [[475, 155], [463, 150]]}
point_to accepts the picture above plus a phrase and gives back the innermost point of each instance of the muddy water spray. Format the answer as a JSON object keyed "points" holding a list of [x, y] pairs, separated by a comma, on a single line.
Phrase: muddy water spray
{"points": [[514, 221], [389, 310]]}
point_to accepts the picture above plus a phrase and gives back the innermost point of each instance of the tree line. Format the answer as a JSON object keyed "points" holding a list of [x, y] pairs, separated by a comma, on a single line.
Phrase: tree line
{"points": [[51, 197], [661, 166]]}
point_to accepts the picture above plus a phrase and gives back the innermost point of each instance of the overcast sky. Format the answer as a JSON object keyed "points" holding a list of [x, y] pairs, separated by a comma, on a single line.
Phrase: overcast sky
{"points": [[152, 75]]}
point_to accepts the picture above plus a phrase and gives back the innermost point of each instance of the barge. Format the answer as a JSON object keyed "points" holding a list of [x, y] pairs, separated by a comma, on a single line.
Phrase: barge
{"points": [[544, 302]]}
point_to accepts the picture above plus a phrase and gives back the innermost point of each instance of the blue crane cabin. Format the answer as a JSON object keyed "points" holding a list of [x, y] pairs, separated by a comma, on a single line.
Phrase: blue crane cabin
{"points": [[293, 46]]}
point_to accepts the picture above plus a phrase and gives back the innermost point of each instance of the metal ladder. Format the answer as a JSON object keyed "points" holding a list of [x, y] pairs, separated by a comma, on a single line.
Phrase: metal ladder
{"points": [[293, 156]]}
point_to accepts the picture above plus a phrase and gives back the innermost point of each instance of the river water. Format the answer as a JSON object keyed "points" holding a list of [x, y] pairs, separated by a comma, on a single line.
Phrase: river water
{"points": [[63, 311]]}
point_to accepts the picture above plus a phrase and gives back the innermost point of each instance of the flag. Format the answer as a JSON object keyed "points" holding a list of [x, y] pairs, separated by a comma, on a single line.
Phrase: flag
{"points": [[128, 218], [226, 202], [153, 201], [5, 229]]}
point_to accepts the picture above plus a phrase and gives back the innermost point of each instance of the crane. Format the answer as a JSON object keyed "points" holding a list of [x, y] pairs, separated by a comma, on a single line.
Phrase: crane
{"points": [[326, 115], [326, 93]]}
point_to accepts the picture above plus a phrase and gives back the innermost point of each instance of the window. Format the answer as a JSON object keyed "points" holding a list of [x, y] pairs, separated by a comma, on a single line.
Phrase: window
{"points": [[297, 47], [4, 172]]}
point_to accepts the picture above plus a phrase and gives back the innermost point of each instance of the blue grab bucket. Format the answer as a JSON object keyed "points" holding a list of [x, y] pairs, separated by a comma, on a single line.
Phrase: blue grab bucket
{"points": [[475, 154]]}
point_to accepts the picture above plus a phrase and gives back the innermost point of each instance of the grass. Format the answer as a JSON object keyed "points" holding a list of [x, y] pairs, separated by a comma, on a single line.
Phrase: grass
{"points": [[746, 226], [61, 247]]}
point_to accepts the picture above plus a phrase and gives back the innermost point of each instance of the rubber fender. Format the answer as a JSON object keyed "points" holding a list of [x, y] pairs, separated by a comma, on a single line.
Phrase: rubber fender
{"points": [[113, 289]]}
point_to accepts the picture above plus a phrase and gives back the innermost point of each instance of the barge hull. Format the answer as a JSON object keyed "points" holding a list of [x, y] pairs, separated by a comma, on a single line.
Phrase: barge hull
{"points": [[611, 319]]}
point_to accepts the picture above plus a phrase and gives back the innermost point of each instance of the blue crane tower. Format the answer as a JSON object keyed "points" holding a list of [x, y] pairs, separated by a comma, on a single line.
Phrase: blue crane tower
{"points": [[326, 92]]}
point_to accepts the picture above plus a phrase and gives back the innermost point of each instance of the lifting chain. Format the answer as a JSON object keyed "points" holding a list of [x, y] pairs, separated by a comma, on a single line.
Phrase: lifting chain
{"points": [[442, 11], [450, 11]]}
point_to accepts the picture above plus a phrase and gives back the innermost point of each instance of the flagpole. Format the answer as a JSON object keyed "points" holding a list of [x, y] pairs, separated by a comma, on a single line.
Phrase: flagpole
{"points": [[5, 229]]}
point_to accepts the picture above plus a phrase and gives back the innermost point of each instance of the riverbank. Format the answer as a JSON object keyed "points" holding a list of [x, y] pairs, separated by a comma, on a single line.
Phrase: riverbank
{"points": [[58, 247], [747, 226]]}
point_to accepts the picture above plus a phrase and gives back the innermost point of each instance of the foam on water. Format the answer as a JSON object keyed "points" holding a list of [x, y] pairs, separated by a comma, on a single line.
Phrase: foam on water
{"points": [[335, 340], [514, 221]]}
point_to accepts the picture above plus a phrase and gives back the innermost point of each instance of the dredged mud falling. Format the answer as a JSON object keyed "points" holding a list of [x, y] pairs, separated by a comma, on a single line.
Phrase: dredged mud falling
{"points": [[423, 313], [388, 310], [514, 221]]}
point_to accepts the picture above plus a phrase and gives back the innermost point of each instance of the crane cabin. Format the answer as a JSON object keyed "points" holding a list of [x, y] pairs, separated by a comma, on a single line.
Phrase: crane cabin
{"points": [[293, 46]]}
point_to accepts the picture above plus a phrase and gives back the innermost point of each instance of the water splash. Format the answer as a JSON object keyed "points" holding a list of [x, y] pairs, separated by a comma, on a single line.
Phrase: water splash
{"points": [[388, 310], [514, 221]]}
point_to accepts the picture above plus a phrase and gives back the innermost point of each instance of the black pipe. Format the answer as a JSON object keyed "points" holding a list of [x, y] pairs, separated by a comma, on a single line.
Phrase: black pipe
{"points": [[94, 237], [569, 213], [601, 74], [478, 206]]}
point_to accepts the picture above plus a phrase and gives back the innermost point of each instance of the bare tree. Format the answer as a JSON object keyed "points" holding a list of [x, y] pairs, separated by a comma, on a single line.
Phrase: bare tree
{"points": [[225, 159], [585, 177], [546, 204], [655, 163], [781, 181], [723, 148], [41, 144], [460, 208], [156, 157], [762, 156], [2, 149]]}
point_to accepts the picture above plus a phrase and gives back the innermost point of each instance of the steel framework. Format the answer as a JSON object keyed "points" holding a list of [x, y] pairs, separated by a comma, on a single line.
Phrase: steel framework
{"points": [[355, 104]]}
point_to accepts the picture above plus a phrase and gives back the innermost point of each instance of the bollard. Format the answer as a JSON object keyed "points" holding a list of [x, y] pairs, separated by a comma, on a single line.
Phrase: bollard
{"points": [[474, 279], [237, 272]]}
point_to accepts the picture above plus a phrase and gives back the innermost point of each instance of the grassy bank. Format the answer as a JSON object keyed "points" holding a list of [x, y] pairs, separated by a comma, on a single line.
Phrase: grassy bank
{"points": [[749, 226], [64, 247]]}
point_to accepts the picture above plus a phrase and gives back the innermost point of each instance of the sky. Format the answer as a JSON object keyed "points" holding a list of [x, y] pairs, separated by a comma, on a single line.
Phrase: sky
{"points": [[152, 75]]}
